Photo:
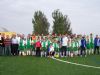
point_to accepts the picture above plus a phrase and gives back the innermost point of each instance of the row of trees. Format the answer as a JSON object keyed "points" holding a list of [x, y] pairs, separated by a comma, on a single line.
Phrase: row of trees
{"points": [[61, 23]]}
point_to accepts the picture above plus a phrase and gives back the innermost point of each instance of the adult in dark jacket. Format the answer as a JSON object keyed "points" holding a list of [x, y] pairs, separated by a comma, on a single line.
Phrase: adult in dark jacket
{"points": [[96, 44], [1, 45], [83, 46]]}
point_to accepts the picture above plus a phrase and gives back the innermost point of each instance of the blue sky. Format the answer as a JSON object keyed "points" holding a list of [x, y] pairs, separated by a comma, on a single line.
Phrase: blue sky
{"points": [[16, 15]]}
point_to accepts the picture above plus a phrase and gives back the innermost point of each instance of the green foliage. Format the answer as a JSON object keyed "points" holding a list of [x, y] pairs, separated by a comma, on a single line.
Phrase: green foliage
{"points": [[61, 23], [40, 23]]}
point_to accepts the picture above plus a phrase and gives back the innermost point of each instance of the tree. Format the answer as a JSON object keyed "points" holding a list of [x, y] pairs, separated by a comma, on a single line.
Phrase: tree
{"points": [[40, 23], [61, 23]]}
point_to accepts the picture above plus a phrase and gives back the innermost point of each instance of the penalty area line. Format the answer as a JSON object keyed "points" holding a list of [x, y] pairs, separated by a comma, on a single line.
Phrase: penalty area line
{"points": [[88, 66]]}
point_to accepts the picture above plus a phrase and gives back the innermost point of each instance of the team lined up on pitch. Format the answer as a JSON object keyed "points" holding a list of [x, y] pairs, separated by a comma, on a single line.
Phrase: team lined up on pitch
{"points": [[50, 45]]}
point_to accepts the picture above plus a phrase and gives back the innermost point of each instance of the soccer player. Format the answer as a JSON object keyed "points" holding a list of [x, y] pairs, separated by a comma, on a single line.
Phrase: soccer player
{"points": [[25, 47], [83, 46], [72, 51], [96, 44], [76, 46], [21, 46], [28, 45], [56, 47], [51, 50], [48, 41], [91, 43], [88, 45], [44, 47], [33, 41], [69, 46], [79, 45]]}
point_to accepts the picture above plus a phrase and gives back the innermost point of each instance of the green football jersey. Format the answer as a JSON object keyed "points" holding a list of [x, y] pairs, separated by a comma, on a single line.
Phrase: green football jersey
{"points": [[55, 45], [48, 42], [44, 44], [28, 44], [21, 46], [91, 43]]}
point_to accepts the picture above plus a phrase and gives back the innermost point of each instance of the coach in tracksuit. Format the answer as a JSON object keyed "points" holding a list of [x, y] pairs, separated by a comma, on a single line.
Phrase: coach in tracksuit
{"points": [[96, 44], [83, 46]]}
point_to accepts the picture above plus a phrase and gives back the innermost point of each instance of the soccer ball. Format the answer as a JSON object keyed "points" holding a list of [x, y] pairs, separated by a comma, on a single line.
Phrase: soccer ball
{"points": [[56, 55]]}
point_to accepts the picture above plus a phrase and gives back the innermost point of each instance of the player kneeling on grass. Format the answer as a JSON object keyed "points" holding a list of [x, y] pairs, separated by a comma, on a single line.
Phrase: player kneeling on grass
{"points": [[51, 50]]}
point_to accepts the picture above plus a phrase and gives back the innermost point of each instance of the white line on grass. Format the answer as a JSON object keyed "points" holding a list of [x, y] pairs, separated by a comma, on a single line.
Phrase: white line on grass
{"points": [[76, 63]]}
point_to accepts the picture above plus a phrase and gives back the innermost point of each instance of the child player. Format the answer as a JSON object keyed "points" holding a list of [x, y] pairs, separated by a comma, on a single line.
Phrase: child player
{"points": [[56, 48], [87, 45], [33, 41], [91, 43], [22, 46], [44, 47], [51, 50], [28, 45]]}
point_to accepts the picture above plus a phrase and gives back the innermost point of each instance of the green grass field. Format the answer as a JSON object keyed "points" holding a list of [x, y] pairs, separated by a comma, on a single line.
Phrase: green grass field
{"points": [[29, 65]]}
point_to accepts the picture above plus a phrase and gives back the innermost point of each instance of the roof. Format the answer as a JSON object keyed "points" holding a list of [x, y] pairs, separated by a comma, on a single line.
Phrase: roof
{"points": [[2, 29]]}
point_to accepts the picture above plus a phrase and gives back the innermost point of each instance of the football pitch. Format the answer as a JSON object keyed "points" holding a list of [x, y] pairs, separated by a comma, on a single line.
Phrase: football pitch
{"points": [[29, 65]]}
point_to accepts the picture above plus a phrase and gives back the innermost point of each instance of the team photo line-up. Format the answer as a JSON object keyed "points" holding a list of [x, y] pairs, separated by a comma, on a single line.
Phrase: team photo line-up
{"points": [[50, 45]]}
